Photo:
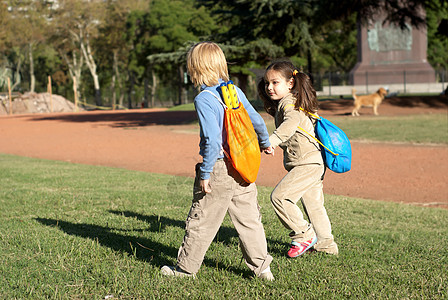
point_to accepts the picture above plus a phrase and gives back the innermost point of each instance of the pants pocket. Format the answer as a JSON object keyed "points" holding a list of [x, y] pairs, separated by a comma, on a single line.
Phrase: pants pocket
{"points": [[192, 223]]}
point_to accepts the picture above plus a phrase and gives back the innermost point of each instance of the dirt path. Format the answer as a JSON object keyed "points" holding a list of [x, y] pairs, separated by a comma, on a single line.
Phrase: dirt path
{"points": [[163, 142]]}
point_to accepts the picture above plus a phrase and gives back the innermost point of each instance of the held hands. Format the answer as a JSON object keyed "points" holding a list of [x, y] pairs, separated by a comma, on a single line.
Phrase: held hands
{"points": [[269, 150], [204, 183]]}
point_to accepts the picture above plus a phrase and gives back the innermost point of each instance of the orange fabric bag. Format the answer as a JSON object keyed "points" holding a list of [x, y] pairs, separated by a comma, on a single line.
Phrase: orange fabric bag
{"points": [[244, 150], [243, 143], [241, 136]]}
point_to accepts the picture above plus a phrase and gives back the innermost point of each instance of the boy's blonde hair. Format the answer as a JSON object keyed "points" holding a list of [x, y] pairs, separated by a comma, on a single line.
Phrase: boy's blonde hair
{"points": [[207, 63]]}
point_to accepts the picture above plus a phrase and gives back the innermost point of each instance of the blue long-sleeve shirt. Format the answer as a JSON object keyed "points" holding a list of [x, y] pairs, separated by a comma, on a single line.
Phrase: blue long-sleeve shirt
{"points": [[210, 113]]}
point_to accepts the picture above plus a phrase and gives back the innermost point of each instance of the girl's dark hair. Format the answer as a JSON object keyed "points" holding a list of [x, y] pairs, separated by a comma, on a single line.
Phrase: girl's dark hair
{"points": [[302, 89]]}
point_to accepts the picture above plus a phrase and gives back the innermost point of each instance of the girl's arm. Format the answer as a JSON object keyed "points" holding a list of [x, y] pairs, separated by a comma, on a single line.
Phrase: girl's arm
{"points": [[257, 121], [288, 127]]}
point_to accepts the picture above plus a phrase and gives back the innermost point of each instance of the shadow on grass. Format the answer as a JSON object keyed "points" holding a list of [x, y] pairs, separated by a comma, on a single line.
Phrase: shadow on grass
{"points": [[159, 223], [224, 235], [153, 252], [115, 241], [419, 101]]}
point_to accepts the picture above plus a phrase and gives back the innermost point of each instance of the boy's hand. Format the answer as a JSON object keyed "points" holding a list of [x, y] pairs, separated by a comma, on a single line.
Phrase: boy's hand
{"points": [[204, 183], [269, 150]]}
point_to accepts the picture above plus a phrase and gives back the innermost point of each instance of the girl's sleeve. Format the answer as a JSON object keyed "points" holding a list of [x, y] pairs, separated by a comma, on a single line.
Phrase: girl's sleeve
{"points": [[288, 127], [257, 121]]}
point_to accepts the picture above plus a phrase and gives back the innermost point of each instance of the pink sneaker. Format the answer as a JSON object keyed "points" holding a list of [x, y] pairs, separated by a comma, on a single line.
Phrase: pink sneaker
{"points": [[298, 249]]}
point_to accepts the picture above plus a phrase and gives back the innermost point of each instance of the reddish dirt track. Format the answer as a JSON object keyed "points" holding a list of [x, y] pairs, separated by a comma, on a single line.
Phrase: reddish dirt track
{"points": [[154, 140]]}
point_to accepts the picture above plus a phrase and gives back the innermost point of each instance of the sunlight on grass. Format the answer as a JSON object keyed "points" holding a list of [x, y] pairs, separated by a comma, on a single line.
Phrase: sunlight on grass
{"points": [[430, 128], [76, 231]]}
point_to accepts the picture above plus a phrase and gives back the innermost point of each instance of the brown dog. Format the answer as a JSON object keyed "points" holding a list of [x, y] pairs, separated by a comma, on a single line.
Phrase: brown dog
{"points": [[373, 100]]}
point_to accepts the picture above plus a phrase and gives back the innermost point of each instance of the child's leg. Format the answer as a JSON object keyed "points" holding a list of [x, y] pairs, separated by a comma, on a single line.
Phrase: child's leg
{"points": [[245, 215], [313, 201], [285, 196], [205, 217]]}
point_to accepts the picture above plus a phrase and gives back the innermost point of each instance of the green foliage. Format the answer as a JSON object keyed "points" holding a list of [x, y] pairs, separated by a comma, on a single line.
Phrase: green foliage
{"points": [[75, 232], [183, 107], [437, 38], [319, 35], [337, 46]]}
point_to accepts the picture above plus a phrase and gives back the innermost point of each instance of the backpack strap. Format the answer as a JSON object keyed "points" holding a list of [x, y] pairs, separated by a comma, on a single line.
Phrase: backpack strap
{"points": [[311, 114], [317, 141], [318, 118], [219, 98]]}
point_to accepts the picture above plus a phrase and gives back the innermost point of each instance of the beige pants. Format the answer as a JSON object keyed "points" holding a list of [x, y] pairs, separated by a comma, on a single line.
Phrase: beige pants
{"points": [[229, 193], [304, 182]]}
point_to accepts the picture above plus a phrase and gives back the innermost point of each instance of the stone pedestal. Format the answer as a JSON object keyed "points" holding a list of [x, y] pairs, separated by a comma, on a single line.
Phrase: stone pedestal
{"points": [[388, 54]]}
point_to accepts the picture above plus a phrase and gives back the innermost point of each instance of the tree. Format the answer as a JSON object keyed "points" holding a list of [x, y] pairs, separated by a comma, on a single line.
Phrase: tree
{"points": [[286, 23], [299, 26], [337, 42], [112, 45], [437, 19], [24, 27], [165, 28], [398, 12], [77, 24], [4, 37]]}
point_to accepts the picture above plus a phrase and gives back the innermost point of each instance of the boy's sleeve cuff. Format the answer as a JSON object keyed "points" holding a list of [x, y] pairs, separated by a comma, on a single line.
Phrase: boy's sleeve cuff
{"points": [[205, 176]]}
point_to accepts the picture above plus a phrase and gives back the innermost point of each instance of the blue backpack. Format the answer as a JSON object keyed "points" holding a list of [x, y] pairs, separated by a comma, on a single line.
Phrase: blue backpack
{"points": [[336, 151]]}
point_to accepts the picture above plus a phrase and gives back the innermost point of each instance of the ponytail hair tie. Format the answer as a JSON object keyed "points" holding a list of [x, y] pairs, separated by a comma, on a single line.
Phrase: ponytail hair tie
{"points": [[295, 72]]}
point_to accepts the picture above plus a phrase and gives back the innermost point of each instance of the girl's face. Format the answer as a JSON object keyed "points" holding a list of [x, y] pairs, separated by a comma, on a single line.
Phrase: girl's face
{"points": [[276, 85]]}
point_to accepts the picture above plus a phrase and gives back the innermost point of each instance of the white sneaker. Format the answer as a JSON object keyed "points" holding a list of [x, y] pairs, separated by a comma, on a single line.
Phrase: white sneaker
{"points": [[175, 271], [266, 276]]}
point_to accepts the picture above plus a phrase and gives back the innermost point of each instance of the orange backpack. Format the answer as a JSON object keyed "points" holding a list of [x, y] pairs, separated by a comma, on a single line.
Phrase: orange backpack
{"points": [[244, 150]]}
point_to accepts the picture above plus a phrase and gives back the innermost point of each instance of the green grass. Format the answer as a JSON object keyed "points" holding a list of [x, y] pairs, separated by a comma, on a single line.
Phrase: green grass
{"points": [[183, 107], [423, 129], [72, 231]]}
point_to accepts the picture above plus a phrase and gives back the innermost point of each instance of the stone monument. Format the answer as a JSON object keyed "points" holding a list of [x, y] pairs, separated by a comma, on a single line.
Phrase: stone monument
{"points": [[388, 54]]}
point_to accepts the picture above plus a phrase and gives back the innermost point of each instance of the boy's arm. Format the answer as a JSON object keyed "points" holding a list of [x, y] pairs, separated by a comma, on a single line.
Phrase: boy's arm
{"points": [[211, 135]]}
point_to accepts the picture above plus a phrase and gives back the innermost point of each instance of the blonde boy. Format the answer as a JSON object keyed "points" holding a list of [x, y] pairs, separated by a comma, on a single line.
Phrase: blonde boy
{"points": [[218, 188]]}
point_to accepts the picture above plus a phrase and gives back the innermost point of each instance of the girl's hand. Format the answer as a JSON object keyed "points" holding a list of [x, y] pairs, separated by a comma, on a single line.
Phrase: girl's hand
{"points": [[204, 183], [269, 150]]}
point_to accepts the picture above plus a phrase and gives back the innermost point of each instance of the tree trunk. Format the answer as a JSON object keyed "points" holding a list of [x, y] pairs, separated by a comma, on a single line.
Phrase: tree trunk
{"points": [[242, 82], [131, 89], [90, 61], [32, 76], [146, 88], [182, 89], [310, 61], [153, 87], [17, 78], [98, 99], [114, 94], [117, 77], [75, 69]]}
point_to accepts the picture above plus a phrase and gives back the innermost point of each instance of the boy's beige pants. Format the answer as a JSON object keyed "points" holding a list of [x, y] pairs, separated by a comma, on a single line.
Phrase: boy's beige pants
{"points": [[304, 182], [229, 193]]}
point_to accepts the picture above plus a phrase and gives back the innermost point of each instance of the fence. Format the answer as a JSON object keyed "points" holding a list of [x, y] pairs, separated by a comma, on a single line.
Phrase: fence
{"points": [[336, 83]]}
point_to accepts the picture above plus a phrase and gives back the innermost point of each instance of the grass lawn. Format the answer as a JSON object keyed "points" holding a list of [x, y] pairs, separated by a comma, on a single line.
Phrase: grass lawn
{"points": [[72, 231], [416, 129], [421, 128]]}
